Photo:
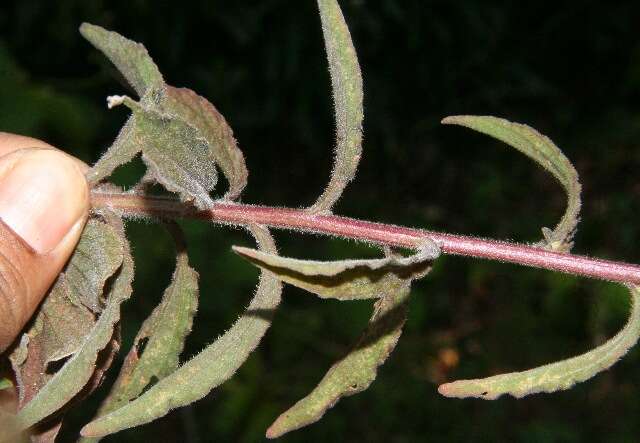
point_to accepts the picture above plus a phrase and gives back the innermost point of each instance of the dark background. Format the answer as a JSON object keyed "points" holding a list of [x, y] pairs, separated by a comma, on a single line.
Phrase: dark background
{"points": [[570, 69]]}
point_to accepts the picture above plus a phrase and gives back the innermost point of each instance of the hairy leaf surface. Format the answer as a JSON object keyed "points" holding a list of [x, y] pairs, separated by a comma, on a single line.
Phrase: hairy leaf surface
{"points": [[345, 279], [131, 58], [157, 347], [186, 105], [57, 332], [64, 318], [79, 369], [207, 370], [123, 150], [555, 376], [356, 371], [186, 120], [96, 258], [543, 151], [176, 154], [346, 81]]}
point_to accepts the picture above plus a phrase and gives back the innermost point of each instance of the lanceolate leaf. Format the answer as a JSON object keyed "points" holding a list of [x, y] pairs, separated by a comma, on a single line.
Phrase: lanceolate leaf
{"points": [[134, 62], [186, 105], [78, 370], [209, 369], [388, 279], [131, 58], [355, 372], [64, 319], [345, 279], [346, 81], [156, 349], [542, 150], [555, 376]]}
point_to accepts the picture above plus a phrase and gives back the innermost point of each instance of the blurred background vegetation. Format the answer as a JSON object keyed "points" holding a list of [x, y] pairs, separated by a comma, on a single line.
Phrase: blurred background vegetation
{"points": [[570, 69]]}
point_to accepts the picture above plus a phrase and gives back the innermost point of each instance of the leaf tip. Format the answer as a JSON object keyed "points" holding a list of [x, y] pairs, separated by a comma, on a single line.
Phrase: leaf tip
{"points": [[280, 426], [446, 390], [272, 433], [90, 31], [243, 252], [454, 120], [86, 27], [89, 431]]}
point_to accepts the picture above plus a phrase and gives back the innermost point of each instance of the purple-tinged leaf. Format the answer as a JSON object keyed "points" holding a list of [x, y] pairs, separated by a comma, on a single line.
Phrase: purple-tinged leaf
{"points": [[79, 370]]}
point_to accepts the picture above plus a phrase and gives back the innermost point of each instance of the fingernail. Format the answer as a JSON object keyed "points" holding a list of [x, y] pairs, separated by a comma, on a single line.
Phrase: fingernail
{"points": [[43, 195]]}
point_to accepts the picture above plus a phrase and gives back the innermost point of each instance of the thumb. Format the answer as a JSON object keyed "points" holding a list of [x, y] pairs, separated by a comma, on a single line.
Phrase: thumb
{"points": [[44, 201]]}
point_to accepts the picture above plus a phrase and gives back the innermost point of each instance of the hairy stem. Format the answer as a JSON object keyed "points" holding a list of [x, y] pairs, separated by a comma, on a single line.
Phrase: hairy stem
{"points": [[137, 205]]}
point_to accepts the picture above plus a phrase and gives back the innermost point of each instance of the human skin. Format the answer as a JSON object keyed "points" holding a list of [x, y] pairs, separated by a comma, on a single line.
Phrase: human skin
{"points": [[44, 204]]}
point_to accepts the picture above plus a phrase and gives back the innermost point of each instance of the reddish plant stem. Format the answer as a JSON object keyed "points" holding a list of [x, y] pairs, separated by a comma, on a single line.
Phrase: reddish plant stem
{"points": [[304, 221]]}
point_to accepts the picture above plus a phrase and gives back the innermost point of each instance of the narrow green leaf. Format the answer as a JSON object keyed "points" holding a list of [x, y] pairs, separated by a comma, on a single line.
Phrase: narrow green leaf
{"points": [[5, 383], [78, 370], [555, 376], [188, 106], [176, 154], [345, 279], [162, 334], [387, 279], [131, 58], [134, 62], [542, 150], [346, 82], [356, 371], [207, 370]]}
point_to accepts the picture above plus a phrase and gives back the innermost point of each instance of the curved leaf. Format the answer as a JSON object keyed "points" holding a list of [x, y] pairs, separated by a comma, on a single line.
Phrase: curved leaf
{"points": [[207, 370], [542, 150], [346, 82], [156, 349], [78, 370], [356, 371], [64, 320], [345, 279], [555, 376]]}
